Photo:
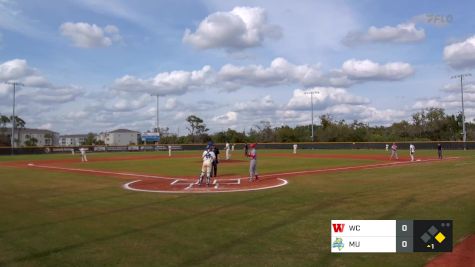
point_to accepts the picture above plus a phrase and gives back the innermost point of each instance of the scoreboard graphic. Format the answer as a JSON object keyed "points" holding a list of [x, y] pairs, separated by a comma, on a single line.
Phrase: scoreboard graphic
{"points": [[391, 236]]}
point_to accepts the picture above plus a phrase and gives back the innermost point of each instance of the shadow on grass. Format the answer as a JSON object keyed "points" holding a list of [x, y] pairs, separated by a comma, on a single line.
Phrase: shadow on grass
{"points": [[46, 253]]}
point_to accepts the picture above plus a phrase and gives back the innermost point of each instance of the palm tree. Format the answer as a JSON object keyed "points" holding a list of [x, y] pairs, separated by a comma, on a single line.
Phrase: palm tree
{"points": [[19, 124], [4, 120]]}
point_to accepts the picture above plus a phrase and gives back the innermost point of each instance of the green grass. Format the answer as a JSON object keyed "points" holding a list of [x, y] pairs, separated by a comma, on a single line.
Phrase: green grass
{"points": [[68, 219]]}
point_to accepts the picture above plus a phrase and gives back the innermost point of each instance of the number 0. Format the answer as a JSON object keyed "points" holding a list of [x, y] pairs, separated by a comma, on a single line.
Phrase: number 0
{"points": [[404, 228], [404, 244]]}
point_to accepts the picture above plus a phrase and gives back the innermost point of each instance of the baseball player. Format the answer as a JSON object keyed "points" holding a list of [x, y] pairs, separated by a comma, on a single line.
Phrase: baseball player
{"points": [[232, 147], [208, 158], [412, 151], [387, 147], [83, 154], [253, 164], [439, 150], [169, 151], [246, 149], [394, 152], [228, 151], [215, 161], [295, 148]]}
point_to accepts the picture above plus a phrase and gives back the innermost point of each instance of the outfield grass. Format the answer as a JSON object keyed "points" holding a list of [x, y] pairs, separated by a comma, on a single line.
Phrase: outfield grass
{"points": [[69, 219]]}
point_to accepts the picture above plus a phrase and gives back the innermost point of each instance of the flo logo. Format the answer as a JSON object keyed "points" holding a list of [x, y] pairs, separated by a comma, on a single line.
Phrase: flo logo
{"points": [[338, 243]]}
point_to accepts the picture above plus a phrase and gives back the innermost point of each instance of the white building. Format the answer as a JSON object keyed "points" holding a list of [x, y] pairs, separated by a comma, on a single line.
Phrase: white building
{"points": [[120, 137], [33, 137], [72, 140]]}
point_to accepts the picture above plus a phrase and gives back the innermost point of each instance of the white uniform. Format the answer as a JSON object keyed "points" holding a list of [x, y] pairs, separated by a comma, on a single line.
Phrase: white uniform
{"points": [[295, 148], [83, 154], [169, 151], [228, 148], [208, 158], [387, 147], [412, 151], [232, 147]]}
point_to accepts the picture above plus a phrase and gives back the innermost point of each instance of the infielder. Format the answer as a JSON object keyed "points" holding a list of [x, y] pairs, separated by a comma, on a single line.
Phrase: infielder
{"points": [[208, 158], [232, 147], [387, 147], [412, 151], [394, 152], [169, 151], [295, 148], [83, 154], [253, 175], [228, 149], [439, 150]]}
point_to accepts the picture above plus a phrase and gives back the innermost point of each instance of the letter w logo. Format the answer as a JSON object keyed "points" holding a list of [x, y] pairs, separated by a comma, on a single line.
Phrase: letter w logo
{"points": [[338, 227]]}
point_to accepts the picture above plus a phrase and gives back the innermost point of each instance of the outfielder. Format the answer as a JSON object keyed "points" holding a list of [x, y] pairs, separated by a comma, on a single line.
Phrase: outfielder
{"points": [[295, 148], [228, 149], [169, 151], [83, 154], [394, 152], [208, 158], [412, 151], [253, 175]]}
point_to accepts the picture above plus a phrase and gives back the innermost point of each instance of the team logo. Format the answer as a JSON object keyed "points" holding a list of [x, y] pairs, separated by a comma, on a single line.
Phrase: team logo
{"points": [[338, 243], [338, 227]]}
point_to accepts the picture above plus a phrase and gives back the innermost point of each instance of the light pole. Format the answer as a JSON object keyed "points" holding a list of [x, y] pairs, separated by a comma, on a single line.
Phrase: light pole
{"points": [[464, 131], [157, 122], [311, 93], [15, 84]]}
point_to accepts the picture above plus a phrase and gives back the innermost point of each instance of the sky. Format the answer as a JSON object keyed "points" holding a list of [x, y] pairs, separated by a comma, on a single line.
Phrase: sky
{"points": [[93, 66]]}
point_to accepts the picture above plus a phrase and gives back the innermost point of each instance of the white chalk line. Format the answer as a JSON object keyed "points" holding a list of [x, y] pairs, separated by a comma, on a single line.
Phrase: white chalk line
{"points": [[357, 167], [204, 190]]}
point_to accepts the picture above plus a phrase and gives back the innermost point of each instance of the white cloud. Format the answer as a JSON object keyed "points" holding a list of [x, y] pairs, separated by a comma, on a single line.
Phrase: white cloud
{"points": [[128, 103], [265, 103], [241, 28], [326, 97], [166, 83], [85, 35], [461, 55], [402, 33], [14, 70], [228, 118], [369, 70], [279, 72], [455, 87], [47, 126]]}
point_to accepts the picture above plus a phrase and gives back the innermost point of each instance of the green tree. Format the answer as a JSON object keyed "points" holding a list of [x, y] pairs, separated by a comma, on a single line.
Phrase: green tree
{"points": [[31, 141], [90, 139], [197, 127]]}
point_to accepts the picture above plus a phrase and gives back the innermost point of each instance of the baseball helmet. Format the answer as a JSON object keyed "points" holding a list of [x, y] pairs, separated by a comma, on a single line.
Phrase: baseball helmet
{"points": [[253, 145]]}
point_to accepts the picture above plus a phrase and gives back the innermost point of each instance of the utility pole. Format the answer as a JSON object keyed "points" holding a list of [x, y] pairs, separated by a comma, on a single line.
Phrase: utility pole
{"points": [[15, 84], [464, 131], [311, 93]]}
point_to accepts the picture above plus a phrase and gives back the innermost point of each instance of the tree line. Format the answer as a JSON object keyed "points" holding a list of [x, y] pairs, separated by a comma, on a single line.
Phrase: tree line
{"points": [[431, 124]]}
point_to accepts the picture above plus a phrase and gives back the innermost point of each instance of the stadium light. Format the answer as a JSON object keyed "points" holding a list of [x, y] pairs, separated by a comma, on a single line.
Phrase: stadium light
{"points": [[311, 93], [15, 84], [157, 122], [464, 131]]}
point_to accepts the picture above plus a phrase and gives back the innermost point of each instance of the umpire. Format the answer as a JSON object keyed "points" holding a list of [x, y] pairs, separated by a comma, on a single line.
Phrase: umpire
{"points": [[215, 161]]}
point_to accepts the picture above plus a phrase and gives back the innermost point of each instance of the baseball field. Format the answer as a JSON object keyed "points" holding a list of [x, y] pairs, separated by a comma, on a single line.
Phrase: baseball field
{"points": [[144, 209]]}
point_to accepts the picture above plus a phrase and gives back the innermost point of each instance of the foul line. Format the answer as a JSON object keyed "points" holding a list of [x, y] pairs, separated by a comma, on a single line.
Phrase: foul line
{"points": [[128, 187], [357, 167]]}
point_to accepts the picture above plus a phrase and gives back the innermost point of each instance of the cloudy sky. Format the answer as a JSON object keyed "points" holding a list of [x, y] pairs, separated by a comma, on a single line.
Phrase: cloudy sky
{"points": [[90, 65]]}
